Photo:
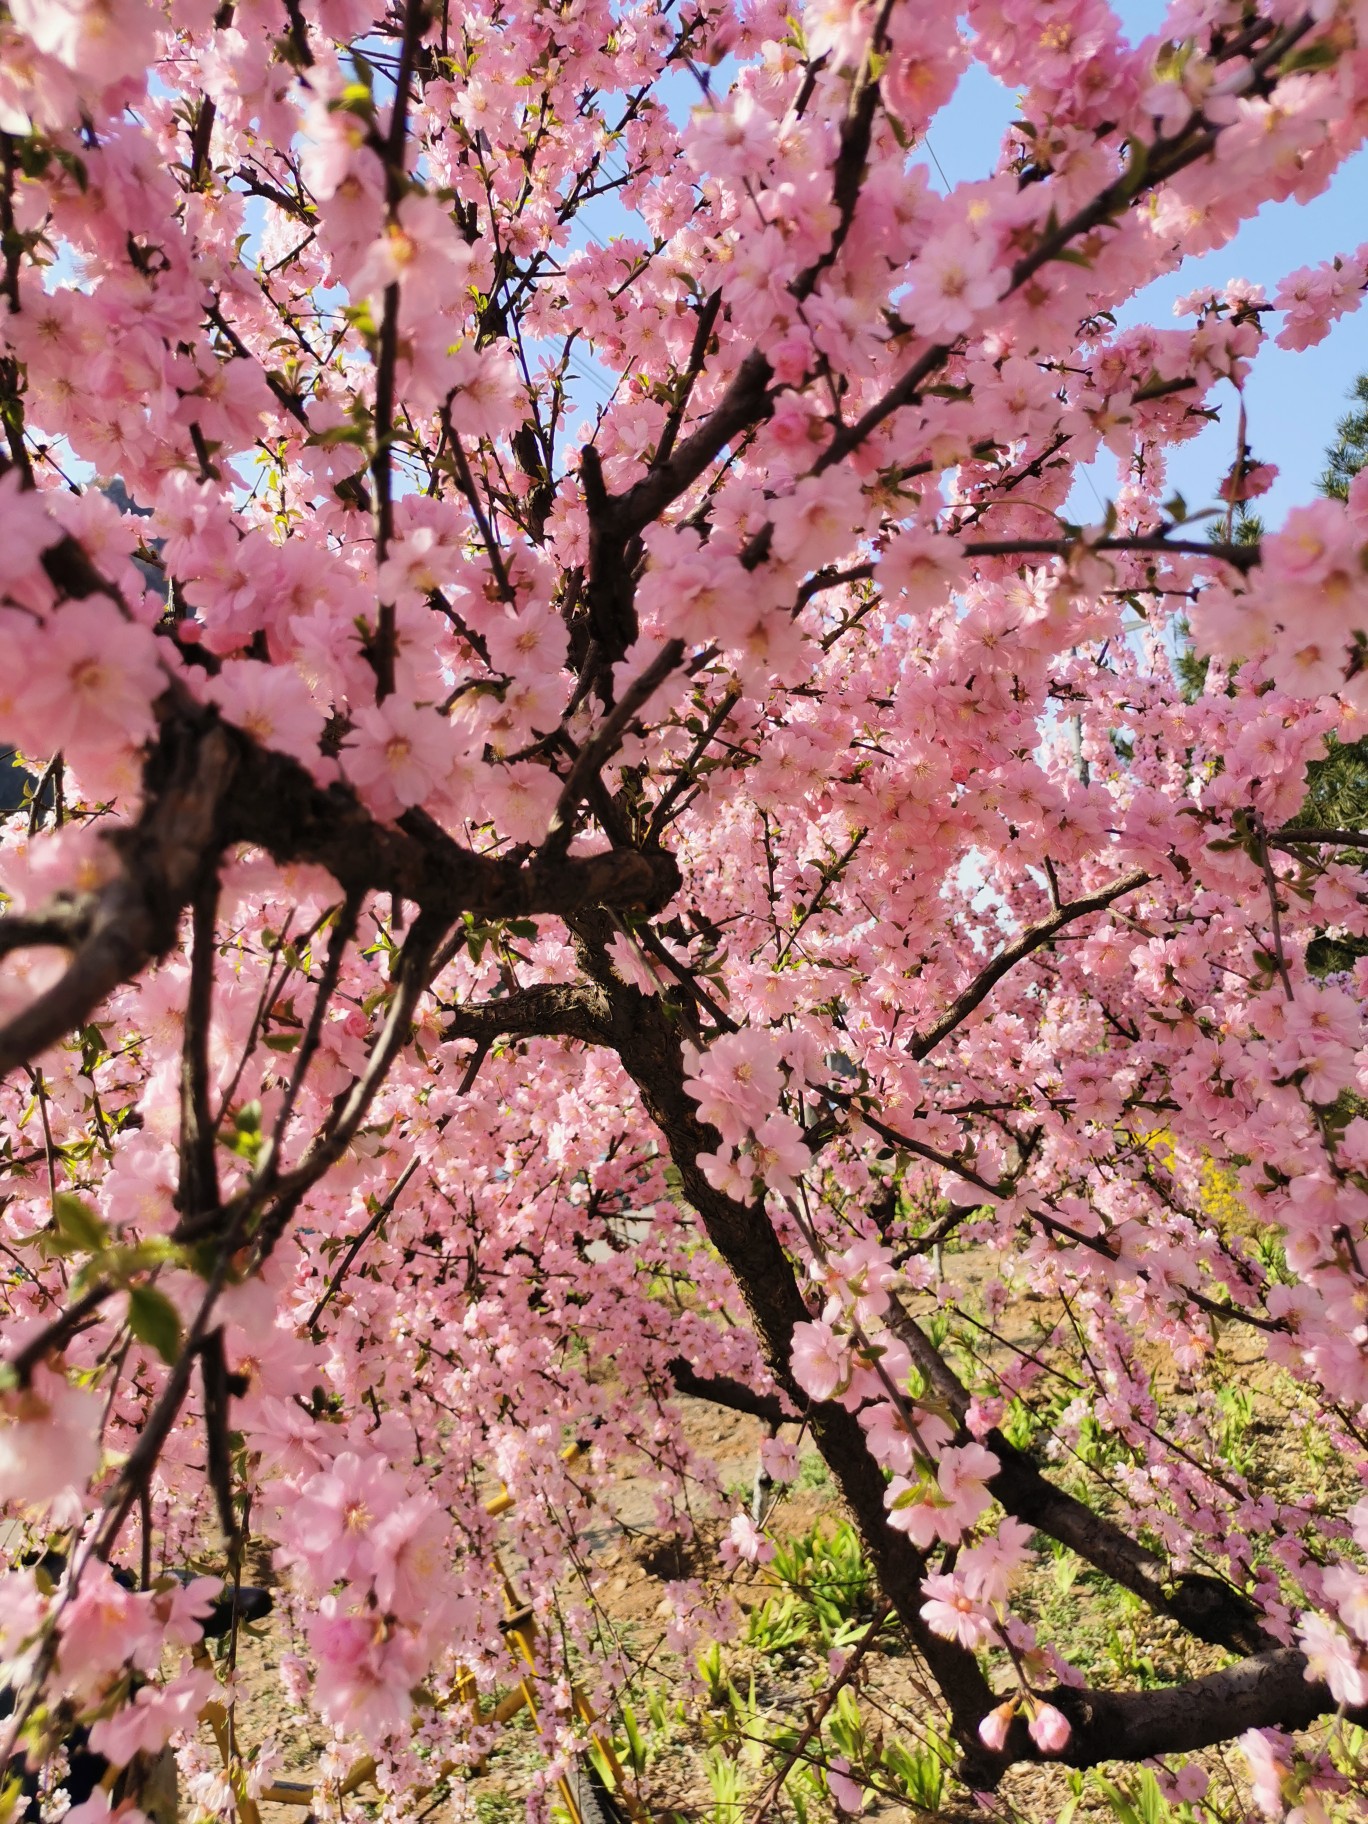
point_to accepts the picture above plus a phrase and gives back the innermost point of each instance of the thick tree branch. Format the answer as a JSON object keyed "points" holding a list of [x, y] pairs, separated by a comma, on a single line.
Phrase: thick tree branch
{"points": [[1206, 1607], [162, 860], [722, 1390], [1292, 837], [647, 1042], [596, 753], [209, 785], [573, 1010], [198, 1189], [1241, 557], [1266, 1691]]}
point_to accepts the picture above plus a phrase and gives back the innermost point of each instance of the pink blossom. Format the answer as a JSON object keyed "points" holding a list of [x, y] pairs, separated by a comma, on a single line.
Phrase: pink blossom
{"points": [[986, 1569], [845, 1790], [105, 1627], [1269, 1753], [182, 1608], [534, 639], [485, 396], [421, 252], [329, 1527], [779, 1153], [1049, 1729], [28, 531], [953, 1614], [736, 1081], [962, 1474], [92, 680], [411, 1549], [49, 1441], [366, 1671], [1332, 1656], [955, 276], [99, 1808], [745, 1542], [154, 1714], [101, 40], [631, 965], [910, 1512], [779, 1457], [397, 755], [274, 706], [820, 1361], [993, 1728]]}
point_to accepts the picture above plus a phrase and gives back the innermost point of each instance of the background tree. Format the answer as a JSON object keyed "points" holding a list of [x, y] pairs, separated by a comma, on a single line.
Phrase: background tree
{"points": [[1347, 455]]}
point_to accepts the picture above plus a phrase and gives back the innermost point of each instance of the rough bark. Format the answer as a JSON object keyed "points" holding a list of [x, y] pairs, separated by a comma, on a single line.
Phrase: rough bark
{"points": [[208, 786]]}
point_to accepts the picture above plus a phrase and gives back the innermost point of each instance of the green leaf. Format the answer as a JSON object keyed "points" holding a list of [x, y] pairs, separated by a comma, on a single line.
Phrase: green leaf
{"points": [[1319, 56], [77, 1224], [154, 1320]]}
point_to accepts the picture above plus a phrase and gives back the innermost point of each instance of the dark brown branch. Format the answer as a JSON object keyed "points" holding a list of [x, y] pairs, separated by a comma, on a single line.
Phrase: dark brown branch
{"points": [[647, 1042], [208, 786], [392, 150], [1164, 159], [722, 1390], [204, 118], [1266, 1691], [342, 934], [598, 751], [852, 155], [1006, 960], [684, 777], [58, 1333], [163, 858], [63, 923], [743, 402], [1242, 557], [198, 1188], [919, 1148], [359, 1240], [215, 1393], [608, 587], [1291, 836], [1205, 1606], [698, 354], [571, 1010]]}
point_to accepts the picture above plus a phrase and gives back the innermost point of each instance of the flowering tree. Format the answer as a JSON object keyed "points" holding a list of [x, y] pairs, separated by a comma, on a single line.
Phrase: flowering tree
{"points": [[517, 888]]}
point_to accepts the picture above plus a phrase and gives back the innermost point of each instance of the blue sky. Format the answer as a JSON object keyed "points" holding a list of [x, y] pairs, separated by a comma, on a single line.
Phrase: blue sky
{"points": [[1293, 400]]}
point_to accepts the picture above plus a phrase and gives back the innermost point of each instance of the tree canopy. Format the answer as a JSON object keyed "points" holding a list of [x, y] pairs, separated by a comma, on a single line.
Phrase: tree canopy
{"points": [[604, 833]]}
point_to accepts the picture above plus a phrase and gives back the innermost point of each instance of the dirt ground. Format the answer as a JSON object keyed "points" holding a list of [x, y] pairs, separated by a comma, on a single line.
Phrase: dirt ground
{"points": [[630, 1563]]}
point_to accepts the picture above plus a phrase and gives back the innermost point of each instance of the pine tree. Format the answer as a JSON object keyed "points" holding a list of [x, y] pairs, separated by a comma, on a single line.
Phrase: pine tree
{"points": [[1347, 455]]}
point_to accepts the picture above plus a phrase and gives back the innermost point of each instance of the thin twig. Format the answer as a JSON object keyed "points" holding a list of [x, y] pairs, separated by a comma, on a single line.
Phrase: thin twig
{"points": [[595, 753], [1032, 939], [823, 1710], [359, 1240], [1271, 882]]}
